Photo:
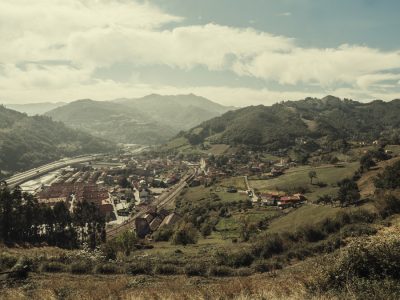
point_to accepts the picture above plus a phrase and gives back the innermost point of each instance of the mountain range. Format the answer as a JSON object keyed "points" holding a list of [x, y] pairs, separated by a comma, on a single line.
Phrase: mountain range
{"points": [[153, 119]]}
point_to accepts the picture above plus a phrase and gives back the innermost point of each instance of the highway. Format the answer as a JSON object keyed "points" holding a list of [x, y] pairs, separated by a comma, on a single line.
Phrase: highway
{"points": [[160, 202], [20, 178]]}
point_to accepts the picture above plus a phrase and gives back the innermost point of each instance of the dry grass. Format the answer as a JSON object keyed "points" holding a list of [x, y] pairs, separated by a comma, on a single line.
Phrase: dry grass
{"points": [[274, 286]]}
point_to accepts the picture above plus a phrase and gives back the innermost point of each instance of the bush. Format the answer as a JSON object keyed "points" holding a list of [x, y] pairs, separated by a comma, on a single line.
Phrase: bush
{"points": [[244, 272], [387, 206], [364, 261], [52, 267], [167, 269], [110, 250], [354, 230], [107, 269], [7, 261], [195, 270], [20, 269], [312, 233], [163, 234], [185, 234], [268, 246], [220, 271], [142, 267], [81, 267], [234, 259]]}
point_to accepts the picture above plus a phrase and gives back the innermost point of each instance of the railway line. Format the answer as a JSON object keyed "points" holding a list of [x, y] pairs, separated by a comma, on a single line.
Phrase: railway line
{"points": [[160, 202]]}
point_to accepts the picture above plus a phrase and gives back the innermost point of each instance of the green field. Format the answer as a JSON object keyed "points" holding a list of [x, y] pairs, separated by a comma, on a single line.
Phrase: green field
{"points": [[228, 228], [200, 193], [307, 214], [237, 182], [298, 177]]}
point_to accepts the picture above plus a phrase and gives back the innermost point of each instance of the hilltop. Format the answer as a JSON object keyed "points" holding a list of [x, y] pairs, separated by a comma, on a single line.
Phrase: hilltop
{"points": [[27, 142], [32, 109], [149, 120], [309, 124]]}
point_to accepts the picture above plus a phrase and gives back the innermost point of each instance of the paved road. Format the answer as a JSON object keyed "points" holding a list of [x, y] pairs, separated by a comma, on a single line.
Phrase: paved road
{"points": [[37, 172], [160, 202]]}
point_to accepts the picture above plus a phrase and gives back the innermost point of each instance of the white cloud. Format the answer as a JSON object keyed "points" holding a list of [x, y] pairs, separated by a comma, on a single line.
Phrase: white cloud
{"points": [[285, 14], [82, 35]]}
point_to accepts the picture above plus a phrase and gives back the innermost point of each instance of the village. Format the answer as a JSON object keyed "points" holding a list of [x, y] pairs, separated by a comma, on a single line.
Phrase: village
{"points": [[126, 187]]}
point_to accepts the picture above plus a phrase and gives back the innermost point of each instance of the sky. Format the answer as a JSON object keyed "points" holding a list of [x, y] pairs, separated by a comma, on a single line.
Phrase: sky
{"points": [[235, 52]]}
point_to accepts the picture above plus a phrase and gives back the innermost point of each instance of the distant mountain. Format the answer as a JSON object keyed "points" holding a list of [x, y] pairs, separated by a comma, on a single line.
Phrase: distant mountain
{"points": [[32, 109], [304, 122], [149, 120], [27, 142]]}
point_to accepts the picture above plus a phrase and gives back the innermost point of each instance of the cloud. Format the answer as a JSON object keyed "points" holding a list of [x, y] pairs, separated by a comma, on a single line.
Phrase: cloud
{"points": [[50, 49], [285, 14]]}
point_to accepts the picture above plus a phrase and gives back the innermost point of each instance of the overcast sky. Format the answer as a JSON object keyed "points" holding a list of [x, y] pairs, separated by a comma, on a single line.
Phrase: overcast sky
{"points": [[236, 52]]}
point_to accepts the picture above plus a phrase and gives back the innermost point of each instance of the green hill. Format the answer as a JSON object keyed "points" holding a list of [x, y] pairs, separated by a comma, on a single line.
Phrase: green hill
{"points": [[149, 120], [310, 124], [26, 141]]}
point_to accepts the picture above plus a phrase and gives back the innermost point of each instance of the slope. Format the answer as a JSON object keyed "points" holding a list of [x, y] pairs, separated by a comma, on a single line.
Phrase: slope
{"points": [[26, 141]]}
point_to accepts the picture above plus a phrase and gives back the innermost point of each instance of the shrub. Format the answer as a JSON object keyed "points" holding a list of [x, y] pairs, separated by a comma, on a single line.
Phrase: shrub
{"points": [[354, 230], [81, 267], [312, 233], [375, 259], [142, 267], [107, 269], [52, 267], [166, 269], [110, 250], [7, 261], [220, 271], [263, 266], [185, 234], [330, 226], [268, 246], [20, 269], [244, 272], [163, 234], [195, 270], [206, 229], [387, 206]]}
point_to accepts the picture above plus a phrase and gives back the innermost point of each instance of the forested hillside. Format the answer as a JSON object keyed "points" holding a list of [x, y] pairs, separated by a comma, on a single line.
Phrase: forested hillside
{"points": [[306, 122], [27, 142]]}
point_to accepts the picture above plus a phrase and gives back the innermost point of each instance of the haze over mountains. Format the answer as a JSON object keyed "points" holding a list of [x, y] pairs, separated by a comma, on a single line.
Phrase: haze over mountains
{"points": [[32, 109], [149, 120]]}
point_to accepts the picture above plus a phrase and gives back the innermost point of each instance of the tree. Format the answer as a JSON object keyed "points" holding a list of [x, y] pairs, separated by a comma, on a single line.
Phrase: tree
{"points": [[185, 234], [348, 192], [126, 242], [389, 178], [367, 162], [92, 224], [246, 229], [312, 174]]}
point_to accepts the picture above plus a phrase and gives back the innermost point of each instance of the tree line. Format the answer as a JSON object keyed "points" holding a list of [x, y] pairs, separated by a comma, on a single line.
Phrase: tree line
{"points": [[24, 220]]}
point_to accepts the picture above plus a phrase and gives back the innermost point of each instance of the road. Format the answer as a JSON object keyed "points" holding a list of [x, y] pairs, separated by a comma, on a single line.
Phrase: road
{"points": [[37, 172], [254, 197], [160, 202]]}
